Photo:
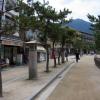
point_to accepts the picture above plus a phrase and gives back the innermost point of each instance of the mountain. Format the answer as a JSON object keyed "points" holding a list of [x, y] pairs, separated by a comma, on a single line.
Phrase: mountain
{"points": [[80, 25]]}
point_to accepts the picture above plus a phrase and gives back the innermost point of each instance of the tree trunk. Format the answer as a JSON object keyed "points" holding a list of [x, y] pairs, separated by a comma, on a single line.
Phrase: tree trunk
{"points": [[59, 54], [47, 59], [58, 60], [54, 57], [66, 54], [25, 59], [62, 55]]}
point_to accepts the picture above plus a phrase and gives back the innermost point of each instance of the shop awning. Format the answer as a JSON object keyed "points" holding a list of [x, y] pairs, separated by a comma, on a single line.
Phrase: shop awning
{"points": [[40, 48], [11, 40], [12, 43]]}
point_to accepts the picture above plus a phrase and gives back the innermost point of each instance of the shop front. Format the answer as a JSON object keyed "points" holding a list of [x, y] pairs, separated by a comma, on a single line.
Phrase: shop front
{"points": [[11, 49], [41, 54]]}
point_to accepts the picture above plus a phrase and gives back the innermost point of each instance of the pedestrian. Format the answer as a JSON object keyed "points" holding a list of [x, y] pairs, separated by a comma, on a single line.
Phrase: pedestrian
{"points": [[7, 62], [66, 55], [77, 55]]}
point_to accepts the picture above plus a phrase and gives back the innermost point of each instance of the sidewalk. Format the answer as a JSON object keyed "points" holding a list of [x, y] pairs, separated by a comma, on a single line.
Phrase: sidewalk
{"points": [[82, 82], [16, 85]]}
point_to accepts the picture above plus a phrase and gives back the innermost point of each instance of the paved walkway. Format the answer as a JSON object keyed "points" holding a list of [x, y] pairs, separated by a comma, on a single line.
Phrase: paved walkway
{"points": [[16, 85], [82, 82]]}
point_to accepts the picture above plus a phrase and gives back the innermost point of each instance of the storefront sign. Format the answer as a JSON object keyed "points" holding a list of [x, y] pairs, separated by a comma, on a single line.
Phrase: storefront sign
{"points": [[13, 43]]}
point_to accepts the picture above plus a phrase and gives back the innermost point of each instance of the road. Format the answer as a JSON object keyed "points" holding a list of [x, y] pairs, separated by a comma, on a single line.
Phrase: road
{"points": [[82, 82]]}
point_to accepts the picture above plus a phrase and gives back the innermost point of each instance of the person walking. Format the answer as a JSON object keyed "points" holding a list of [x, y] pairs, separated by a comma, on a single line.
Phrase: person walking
{"points": [[77, 55], [66, 55]]}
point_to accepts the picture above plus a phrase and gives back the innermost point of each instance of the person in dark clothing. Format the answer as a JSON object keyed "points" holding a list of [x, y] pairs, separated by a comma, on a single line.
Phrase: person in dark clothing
{"points": [[77, 55], [66, 55]]}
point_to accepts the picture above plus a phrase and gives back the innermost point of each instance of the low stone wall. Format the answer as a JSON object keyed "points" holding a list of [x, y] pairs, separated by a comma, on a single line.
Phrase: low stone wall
{"points": [[97, 60]]}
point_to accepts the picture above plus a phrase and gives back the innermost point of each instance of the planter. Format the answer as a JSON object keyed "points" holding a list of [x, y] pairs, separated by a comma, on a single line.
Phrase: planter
{"points": [[97, 60]]}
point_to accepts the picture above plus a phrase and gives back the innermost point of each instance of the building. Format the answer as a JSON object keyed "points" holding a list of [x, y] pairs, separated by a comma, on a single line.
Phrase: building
{"points": [[84, 28], [11, 46]]}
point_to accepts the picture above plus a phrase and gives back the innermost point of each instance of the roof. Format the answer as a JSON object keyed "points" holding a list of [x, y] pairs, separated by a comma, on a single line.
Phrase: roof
{"points": [[40, 48], [39, 45], [11, 40], [33, 42]]}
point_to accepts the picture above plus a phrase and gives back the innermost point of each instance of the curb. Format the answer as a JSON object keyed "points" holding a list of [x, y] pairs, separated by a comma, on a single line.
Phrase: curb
{"points": [[51, 81]]}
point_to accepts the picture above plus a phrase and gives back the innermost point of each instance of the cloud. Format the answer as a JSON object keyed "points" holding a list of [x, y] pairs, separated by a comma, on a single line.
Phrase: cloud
{"points": [[79, 8]]}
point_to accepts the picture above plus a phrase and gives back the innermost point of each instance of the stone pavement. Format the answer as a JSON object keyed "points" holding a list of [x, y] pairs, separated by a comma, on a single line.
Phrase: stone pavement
{"points": [[16, 85], [82, 82]]}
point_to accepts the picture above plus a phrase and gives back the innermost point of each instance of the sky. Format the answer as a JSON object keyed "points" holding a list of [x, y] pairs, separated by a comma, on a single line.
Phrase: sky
{"points": [[79, 8]]}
